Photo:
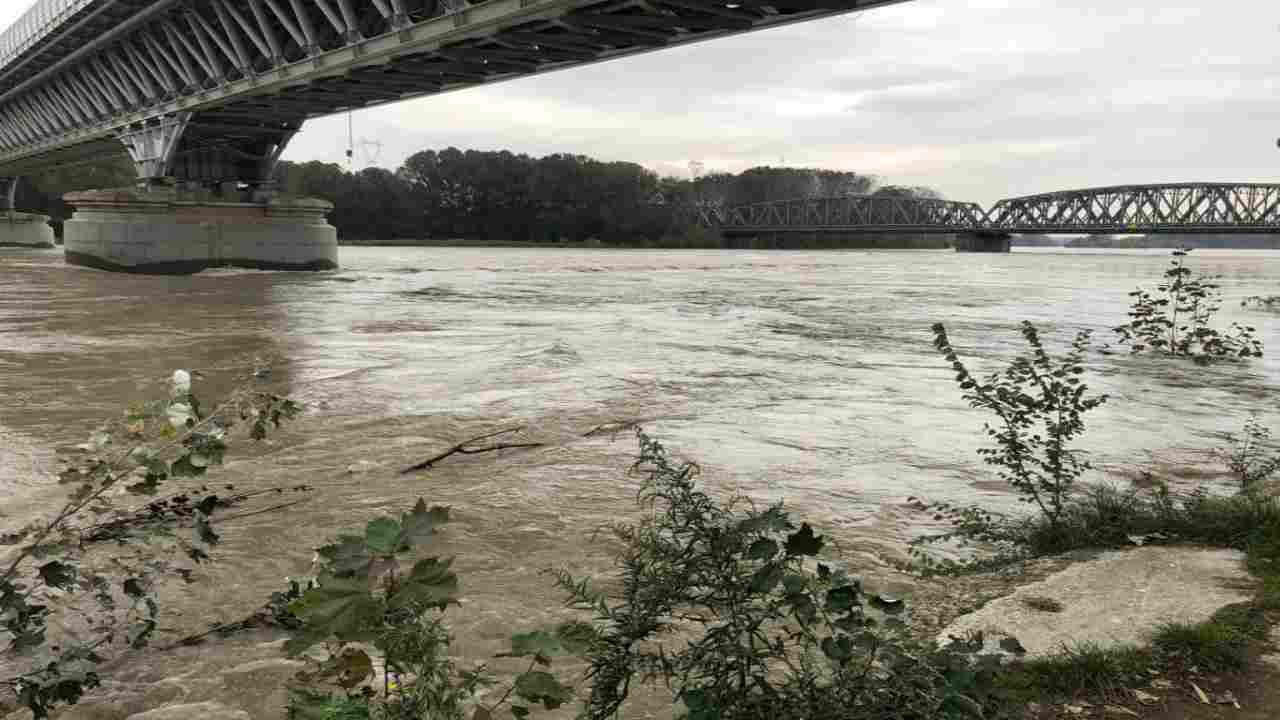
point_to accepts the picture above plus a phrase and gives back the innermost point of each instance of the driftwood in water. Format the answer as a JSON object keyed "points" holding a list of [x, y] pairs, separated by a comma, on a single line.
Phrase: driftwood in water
{"points": [[465, 448]]}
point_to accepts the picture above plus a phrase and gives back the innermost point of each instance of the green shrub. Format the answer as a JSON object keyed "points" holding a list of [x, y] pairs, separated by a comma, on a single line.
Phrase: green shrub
{"points": [[1039, 403], [726, 605], [1250, 457], [52, 581], [364, 598], [1175, 319]]}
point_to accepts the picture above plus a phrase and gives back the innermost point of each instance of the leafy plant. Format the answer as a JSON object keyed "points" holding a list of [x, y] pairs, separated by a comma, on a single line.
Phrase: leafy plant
{"points": [[51, 579], [1250, 458], [1262, 302], [1175, 319], [1040, 403], [364, 598], [724, 604]]}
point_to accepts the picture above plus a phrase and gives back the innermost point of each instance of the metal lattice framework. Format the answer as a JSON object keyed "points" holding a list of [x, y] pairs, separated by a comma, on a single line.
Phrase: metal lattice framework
{"points": [[212, 90], [1182, 207], [851, 212]]}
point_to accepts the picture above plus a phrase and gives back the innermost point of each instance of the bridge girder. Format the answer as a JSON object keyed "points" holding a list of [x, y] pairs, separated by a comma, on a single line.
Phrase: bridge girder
{"points": [[138, 69], [1164, 208]]}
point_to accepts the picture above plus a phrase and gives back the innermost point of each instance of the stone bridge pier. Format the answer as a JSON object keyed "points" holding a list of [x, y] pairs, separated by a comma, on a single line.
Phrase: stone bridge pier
{"points": [[202, 201], [19, 229]]}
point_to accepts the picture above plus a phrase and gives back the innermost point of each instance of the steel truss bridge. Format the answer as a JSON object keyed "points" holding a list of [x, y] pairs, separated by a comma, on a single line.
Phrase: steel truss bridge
{"points": [[1169, 208], [211, 91]]}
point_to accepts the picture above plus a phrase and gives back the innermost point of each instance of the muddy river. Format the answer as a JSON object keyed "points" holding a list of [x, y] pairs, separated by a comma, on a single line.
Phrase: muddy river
{"points": [[807, 376]]}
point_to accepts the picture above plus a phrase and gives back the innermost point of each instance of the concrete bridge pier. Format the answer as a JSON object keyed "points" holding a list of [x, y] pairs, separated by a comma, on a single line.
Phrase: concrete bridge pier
{"points": [[991, 242], [172, 231], [198, 207], [19, 229]]}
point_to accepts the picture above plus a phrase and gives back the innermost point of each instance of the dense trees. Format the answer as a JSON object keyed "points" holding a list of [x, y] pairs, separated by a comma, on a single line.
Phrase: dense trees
{"points": [[500, 195]]}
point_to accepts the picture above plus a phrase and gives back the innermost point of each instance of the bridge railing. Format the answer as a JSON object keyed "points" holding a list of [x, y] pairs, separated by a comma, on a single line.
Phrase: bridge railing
{"points": [[36, 23]]}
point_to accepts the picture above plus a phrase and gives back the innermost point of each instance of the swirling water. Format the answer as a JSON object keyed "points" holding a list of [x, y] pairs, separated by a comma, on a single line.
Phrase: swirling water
{"points": [[807, 376]]}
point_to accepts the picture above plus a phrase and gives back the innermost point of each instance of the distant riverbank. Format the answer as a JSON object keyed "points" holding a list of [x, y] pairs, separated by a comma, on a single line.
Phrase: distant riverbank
{"points": [[702, 241]]}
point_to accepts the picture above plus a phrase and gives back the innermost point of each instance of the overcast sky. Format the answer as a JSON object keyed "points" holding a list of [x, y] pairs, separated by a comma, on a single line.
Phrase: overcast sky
{"points": [[980, 99]]}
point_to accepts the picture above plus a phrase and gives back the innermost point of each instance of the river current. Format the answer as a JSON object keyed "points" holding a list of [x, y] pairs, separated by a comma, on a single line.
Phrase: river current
{"points": [[808, 376]]}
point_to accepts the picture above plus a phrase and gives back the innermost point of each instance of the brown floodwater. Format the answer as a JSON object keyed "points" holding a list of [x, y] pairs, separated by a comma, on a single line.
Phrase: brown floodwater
{"points": [[807, 376]]}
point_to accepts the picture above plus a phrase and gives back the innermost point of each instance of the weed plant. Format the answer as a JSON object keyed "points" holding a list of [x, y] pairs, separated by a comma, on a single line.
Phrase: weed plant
{"points": [[99, 606], [1175, 319], [1250, 457]]}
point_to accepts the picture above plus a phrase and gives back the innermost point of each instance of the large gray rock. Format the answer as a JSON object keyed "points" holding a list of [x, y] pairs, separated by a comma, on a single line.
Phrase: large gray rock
{"points": [[1118, 598]]}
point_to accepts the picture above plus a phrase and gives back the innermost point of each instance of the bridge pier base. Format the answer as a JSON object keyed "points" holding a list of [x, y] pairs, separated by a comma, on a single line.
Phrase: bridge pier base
{"points": [[992, 242], [26, 230], [168, 231]]}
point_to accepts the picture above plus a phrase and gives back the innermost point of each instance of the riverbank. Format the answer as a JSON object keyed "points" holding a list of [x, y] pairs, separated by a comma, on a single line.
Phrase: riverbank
{"points": [[505, 541]]}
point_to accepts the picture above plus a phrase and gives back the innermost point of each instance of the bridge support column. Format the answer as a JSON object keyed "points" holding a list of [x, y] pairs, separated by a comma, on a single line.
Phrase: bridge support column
{"points": [[25, 230], [992, 242], [171, 231], [19, 229]]}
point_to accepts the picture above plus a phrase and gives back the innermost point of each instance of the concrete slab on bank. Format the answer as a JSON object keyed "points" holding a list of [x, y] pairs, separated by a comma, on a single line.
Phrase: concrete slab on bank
{"points": [[1117, 598]]}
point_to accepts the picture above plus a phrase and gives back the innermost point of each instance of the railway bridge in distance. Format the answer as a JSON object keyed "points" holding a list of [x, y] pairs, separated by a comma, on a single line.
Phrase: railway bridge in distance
{"points": [[1179, 208], [205, 95]]}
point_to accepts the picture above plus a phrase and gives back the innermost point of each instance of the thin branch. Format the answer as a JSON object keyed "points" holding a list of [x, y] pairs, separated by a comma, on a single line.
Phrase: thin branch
{"points": [[463, 448], [611, 428]]}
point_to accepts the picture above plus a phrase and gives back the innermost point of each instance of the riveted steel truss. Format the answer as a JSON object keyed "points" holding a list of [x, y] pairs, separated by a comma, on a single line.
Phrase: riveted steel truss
{"points": [[852, 212], [1182, 207], [247, 73]]}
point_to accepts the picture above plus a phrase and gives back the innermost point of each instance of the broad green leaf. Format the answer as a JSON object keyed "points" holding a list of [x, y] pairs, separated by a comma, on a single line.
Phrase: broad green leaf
{"points": [[341, 608], [762, 549], [540, 686], [576, 637], [1011, 644], [430, 584], [204, 532], [793, 582], [888, 604], [766, 579], [841, 599], [839, 648], [58, 574], [418, 525], [538, 642], [382, 536], [803, 542], [134, 588], [183, 467], [349, 556]]}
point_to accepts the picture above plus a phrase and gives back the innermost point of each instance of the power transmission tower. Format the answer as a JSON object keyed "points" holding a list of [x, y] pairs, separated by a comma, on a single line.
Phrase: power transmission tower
{"points": [[370, 151]]}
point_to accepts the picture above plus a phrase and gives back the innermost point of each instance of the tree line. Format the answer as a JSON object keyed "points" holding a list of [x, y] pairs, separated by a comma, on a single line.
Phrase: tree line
{"points": [[504, 196]]}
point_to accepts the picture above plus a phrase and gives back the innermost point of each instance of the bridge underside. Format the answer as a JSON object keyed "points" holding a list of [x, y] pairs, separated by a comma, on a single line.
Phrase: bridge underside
{"points": [[206, 96], [209, 93]]}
